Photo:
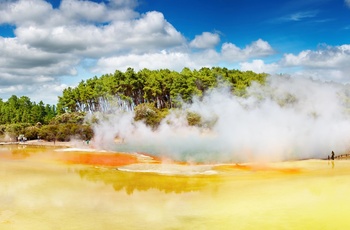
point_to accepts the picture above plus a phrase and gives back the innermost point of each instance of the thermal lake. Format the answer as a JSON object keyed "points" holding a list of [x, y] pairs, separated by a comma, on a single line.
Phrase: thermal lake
{"points": [[51, 188]]}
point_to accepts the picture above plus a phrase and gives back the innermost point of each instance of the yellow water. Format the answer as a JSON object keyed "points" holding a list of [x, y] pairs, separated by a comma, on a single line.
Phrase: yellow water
{"points": [[40, 191]]}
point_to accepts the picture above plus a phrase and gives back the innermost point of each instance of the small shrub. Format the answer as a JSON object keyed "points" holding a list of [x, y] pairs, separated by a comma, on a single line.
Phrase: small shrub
{"points": [[148, 113], [193, 119]]}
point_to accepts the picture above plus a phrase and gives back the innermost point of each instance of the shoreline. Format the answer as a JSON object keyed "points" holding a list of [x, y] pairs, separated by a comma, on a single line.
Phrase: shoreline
{"points": [[63, 144], [39, 143]]}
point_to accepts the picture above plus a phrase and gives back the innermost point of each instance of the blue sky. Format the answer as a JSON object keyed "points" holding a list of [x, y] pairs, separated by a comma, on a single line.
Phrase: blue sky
{"points": [[307, 22], [46, 46]]}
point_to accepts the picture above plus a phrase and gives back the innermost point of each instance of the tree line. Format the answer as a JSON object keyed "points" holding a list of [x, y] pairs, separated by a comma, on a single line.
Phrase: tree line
{"points": [[23, 110], [163, 88], [149, 93]]}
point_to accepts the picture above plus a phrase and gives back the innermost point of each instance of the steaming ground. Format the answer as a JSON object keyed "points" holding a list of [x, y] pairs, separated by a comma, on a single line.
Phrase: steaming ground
{"points": [[287, 118]]}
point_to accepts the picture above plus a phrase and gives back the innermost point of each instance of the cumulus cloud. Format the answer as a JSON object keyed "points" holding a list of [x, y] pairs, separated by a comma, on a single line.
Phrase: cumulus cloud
{"points": [[325, 57], [175, 60], [259, 66], [30, 66], [51, 90], [84, 10], [74, 27], [50, 43], [150, 31], [160, 60], [325, 62], [205, 40], [259, 48], [16, 12], [130, 4]]}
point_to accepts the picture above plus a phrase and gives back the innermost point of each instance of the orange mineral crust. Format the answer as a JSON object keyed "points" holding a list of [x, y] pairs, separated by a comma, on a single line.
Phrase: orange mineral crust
{"points": [[100, 159], [258, 167]]}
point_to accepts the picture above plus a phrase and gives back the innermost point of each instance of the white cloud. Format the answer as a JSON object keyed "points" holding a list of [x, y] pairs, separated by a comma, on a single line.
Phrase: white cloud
{"points": [[152, 31], [76, 27], [205, 41], [176, 60], [259, 48], [259, 66], [88, 11], [149, 32], [83, 10], [327, 62], [49, 95], [17, 12], [335, 57], [124, 3], [160, 60], [20, 60]]}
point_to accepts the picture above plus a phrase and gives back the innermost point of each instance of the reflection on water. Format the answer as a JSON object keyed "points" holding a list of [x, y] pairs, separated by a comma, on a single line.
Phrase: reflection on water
{"points": [[40, 191], [131, 181], [21, 151]]}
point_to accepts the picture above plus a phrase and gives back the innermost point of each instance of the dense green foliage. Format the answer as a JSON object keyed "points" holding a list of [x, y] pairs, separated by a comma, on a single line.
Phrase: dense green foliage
{"points": [[150, 93], [22, 110], [163, 88]]}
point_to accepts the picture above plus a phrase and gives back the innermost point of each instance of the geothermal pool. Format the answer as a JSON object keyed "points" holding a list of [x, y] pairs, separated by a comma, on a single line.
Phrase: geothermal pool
{"points": [[47, 188]]}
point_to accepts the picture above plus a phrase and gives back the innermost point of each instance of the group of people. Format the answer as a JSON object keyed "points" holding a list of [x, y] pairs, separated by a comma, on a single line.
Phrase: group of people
{"points": [[332, 156]]}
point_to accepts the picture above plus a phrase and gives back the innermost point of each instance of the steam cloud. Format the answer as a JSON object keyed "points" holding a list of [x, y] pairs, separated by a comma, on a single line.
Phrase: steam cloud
{"points": [[287, 118]]}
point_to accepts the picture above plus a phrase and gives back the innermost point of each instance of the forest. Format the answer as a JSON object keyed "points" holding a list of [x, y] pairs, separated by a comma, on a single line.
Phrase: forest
{"points": [[163, 88], [157, 91]]}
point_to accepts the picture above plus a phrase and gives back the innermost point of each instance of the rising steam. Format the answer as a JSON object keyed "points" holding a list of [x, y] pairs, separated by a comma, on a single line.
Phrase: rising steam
{"points": [[287, 118]]}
